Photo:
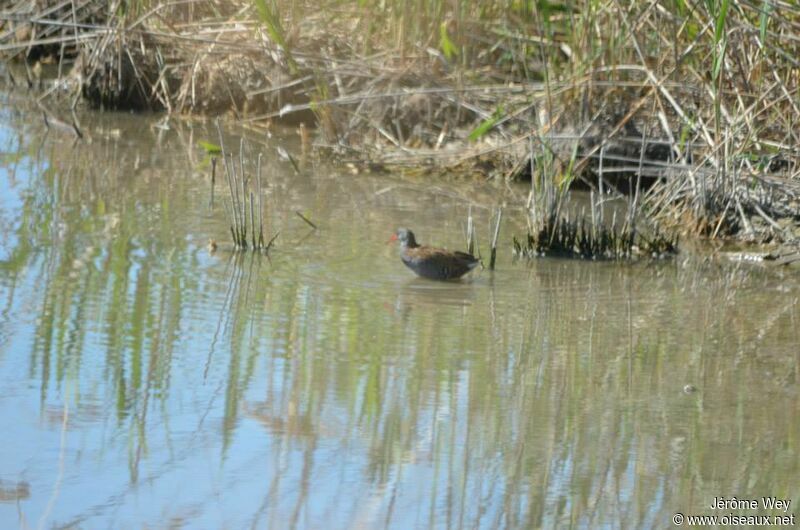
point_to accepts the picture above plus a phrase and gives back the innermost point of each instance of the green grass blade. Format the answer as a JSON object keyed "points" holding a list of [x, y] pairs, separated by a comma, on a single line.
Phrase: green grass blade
{"points": [[209, 148], [271, 20], [486, 125], [445, 43], [720, 23], [766, 11]]}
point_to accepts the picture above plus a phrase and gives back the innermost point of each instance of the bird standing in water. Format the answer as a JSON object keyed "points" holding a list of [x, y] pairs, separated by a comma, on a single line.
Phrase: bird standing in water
{"points": [[432, 263]]}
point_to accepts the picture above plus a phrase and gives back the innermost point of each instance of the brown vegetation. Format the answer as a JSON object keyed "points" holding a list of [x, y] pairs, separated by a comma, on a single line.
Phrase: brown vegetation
{"points": [[692, 105]]}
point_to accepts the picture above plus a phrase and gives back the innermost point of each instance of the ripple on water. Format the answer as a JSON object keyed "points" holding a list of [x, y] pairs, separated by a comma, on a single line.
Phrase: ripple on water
{"points": [[328, 381]]}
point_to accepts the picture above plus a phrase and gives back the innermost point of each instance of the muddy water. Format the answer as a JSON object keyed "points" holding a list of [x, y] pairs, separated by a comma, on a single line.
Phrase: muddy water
{"points": [[148, 383]]}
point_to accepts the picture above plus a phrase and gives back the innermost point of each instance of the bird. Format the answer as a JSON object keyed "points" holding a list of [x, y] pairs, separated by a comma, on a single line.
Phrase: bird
{"points": [[430, 262]]}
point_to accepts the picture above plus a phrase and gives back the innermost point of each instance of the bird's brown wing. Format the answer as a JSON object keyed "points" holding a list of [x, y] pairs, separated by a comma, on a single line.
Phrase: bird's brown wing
{"points": [[439, 254], [438, 263], [465, 256]]}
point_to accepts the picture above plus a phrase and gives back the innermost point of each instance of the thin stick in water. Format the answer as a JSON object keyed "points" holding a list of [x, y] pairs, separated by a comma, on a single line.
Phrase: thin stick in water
{"points": [[253, 219], [234, 218], [244, 196], [470, 232], [213, 181], [234, 190], [304, 218], [533, 186], [260, 208], [493, 255], [269, 245]]}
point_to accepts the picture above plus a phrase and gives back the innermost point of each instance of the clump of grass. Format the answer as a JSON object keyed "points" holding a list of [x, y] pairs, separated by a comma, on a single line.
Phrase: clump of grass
{"points": [[242, 204], [554, 232], [576, 238]]}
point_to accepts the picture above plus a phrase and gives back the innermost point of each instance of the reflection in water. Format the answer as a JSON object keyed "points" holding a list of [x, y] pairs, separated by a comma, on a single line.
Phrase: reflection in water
{"points": [[148, 382], [14, 492]]}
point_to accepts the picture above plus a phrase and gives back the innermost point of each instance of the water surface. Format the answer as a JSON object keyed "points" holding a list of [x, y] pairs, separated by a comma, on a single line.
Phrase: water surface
{"points": [[146, 382]]}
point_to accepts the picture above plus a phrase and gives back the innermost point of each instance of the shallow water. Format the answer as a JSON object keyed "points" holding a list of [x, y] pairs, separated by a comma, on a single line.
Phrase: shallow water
{"points": [[146, 382]]}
